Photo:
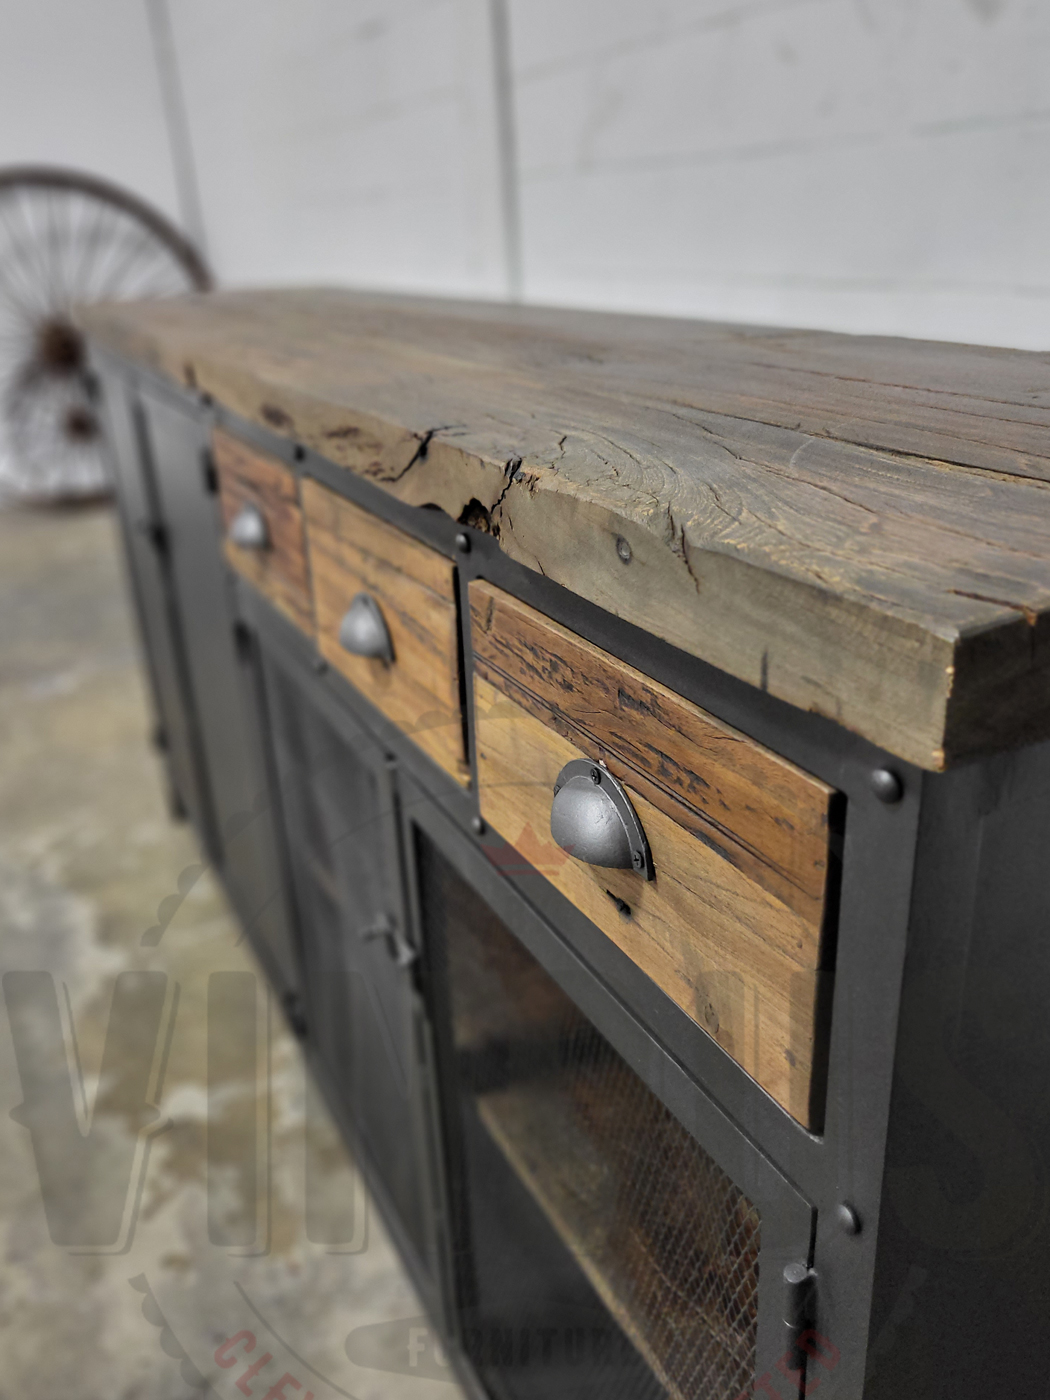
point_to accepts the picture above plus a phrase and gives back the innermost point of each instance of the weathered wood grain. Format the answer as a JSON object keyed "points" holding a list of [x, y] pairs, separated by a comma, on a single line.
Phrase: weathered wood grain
{"points": [[280, 571], [738, 961], [859, 526], [350, 552], [757, 810]]}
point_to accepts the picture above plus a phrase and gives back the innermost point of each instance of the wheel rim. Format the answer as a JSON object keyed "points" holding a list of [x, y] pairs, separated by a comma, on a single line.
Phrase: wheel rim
{"points": [[67, 240]]}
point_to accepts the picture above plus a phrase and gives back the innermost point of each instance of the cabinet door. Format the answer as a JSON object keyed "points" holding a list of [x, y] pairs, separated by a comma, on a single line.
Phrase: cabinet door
{"points": [[146, 556], [338, 803], [238, 826], [614, 1233]]}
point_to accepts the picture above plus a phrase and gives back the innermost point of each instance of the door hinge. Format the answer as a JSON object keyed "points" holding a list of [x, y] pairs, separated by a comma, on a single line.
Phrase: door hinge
{"points": [[242, 641], [293, 1010], [798, 1311], [156, 533]]}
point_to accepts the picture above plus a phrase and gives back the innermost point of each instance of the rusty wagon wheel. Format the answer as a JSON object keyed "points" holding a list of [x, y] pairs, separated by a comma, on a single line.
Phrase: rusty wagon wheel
{"points": [[67, 239]]}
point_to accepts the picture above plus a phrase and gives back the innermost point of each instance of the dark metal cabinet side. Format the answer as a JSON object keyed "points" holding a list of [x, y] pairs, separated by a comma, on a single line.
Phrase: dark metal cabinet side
{"points": [[239, 826], [152, 593], [962, 1295]]}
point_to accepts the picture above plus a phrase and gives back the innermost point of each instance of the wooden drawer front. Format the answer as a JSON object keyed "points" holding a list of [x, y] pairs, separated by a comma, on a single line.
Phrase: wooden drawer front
{"points": [[246, 477], [351, 552], [731, 925]]}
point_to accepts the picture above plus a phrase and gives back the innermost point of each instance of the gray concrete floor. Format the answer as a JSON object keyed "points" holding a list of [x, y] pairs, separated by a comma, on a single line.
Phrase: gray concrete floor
{"points": [[88, 856]]}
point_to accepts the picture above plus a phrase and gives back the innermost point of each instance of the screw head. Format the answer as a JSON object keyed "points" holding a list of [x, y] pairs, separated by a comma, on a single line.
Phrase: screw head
{"points": [[848, 1220], [477, 825], [623, 549], [886, 785], [596, 776], [463, 542]]}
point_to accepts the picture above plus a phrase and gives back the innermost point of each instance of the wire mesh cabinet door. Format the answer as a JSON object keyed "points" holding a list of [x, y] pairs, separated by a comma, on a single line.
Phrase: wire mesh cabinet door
{"points": [[613, 1233], [239, 825], [339, 807]]}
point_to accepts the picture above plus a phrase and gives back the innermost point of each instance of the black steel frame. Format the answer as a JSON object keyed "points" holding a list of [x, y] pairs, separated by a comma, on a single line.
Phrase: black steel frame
{"points": [[896, 863]]}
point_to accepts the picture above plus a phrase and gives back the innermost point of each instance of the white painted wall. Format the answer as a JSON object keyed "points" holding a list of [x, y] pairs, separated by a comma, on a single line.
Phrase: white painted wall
{"points": [[856, 164], [78, 87], [346, 142]]}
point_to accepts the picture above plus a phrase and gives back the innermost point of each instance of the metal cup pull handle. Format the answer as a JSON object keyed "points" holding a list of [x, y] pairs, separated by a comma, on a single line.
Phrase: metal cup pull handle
{"points": [[363, 630], [248, 528], [593, 820]]}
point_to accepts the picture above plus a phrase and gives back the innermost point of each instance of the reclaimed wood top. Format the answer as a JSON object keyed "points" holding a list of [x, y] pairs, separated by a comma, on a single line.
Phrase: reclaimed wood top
{"points": [[858, 525]]}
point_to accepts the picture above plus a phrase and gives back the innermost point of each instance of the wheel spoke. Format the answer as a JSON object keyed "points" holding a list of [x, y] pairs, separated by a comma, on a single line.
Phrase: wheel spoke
{"points": [[63, 245], [18, 259]]}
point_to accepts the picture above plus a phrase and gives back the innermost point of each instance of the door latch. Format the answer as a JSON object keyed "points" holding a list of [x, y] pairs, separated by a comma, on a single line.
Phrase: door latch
{"points": [[397, 945]]}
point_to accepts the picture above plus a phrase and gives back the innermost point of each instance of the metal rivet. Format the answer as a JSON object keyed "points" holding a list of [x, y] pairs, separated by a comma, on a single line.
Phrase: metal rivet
{"points": [[848, 1219], [463, 543], [886, 785], [596, 776], [477, 825], [320, 665], [623, 549]]}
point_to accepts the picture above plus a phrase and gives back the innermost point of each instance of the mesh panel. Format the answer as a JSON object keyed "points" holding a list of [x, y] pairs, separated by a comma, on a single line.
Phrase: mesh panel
{"points": [[357, 1009], [666, 1243]]}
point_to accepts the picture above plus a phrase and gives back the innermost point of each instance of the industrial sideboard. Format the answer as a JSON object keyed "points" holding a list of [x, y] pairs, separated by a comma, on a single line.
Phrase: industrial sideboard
{"points": [[625, 743]]}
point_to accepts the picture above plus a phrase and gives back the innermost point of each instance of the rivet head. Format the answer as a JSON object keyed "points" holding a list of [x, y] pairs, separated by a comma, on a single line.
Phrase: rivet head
{"points": [[848, 1219], [463, 543], [623, 549], [886, 785], [477, 825]]}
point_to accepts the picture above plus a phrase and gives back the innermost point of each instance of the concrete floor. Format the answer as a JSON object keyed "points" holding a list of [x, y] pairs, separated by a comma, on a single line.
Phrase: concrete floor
{"points": [[89, 864]]}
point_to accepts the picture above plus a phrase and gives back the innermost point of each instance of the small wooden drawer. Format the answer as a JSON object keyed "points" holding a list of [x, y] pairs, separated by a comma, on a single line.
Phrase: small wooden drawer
{"points": [[276, 565], [412, 587], [731, 924]]}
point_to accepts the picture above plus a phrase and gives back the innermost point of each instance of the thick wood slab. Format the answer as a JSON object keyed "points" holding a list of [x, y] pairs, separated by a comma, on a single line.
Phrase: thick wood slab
{"points": [[859, 526]]}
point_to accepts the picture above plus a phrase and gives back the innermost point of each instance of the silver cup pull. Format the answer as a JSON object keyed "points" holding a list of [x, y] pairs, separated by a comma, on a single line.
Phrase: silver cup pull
{"points": [[363, 630], [248, 528], [593, 820]]}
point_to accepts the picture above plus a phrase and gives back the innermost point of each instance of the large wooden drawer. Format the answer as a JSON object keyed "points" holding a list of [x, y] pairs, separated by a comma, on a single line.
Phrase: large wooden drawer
{"points": [[418, 689], [731, 925], [278, 566]]}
